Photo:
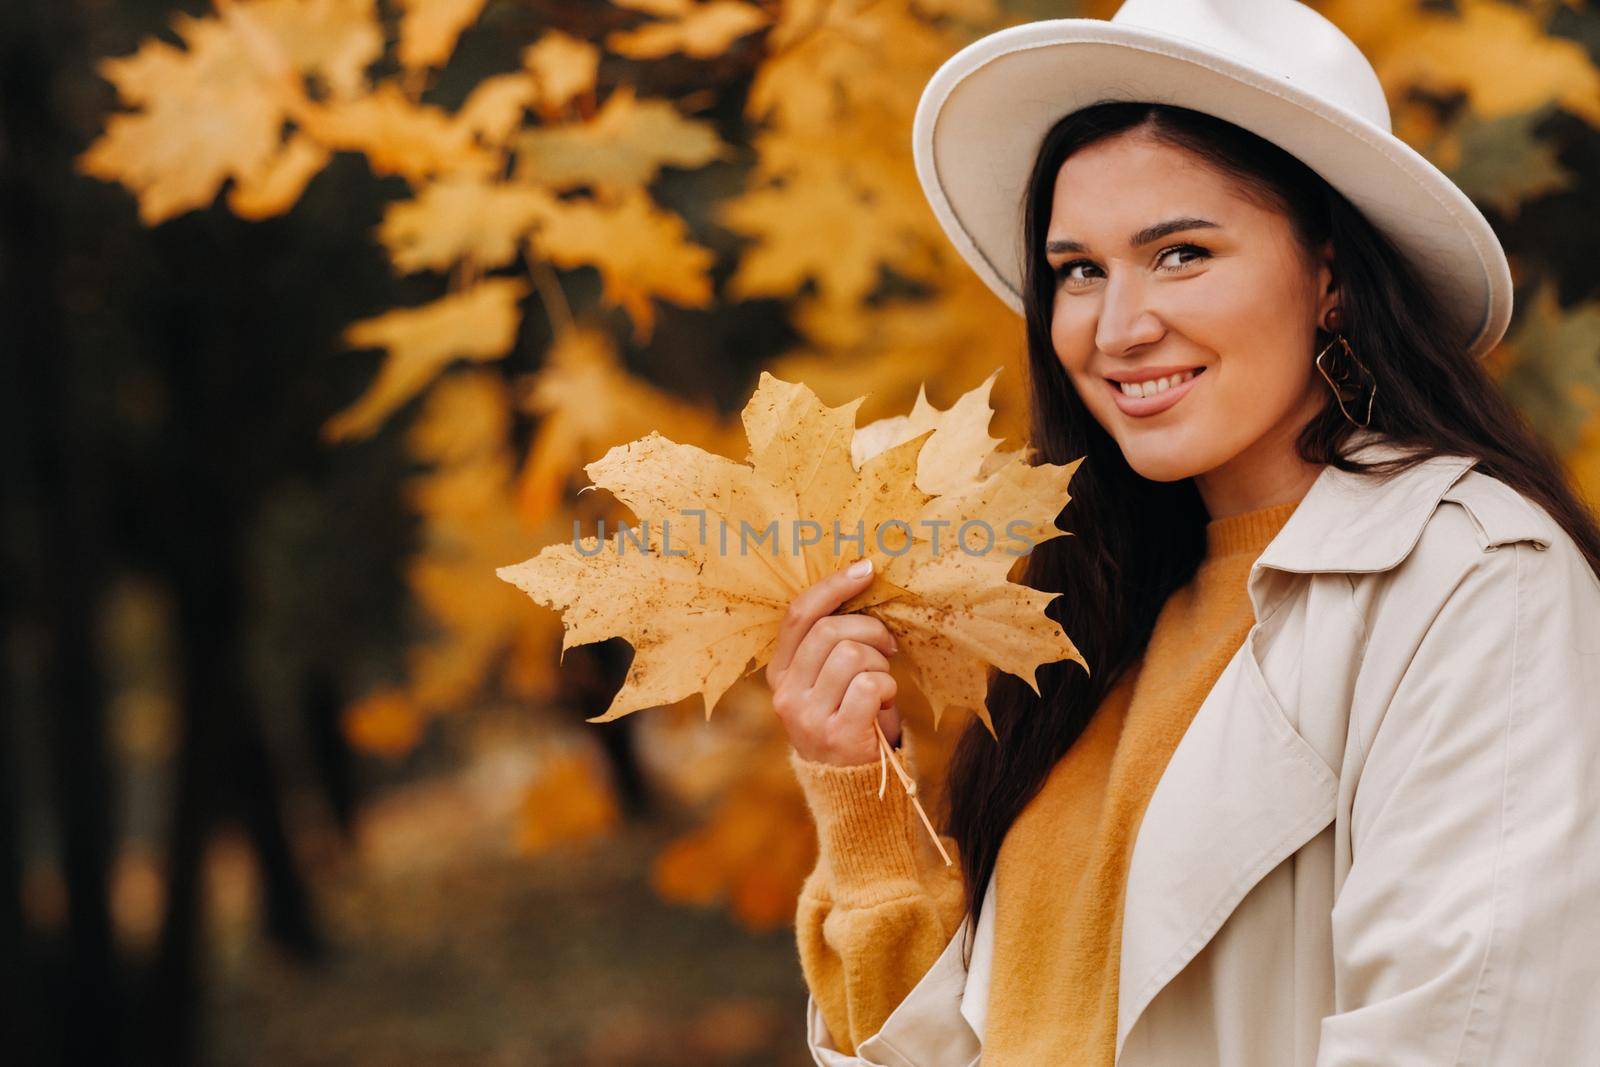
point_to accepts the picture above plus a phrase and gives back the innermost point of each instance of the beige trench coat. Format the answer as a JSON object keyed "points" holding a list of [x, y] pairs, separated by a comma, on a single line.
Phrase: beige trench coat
{"points": [[1379, 840]]}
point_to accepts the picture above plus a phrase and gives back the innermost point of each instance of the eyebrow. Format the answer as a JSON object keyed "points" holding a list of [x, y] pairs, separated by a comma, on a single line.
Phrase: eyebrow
{"points": [[1143, 237]]}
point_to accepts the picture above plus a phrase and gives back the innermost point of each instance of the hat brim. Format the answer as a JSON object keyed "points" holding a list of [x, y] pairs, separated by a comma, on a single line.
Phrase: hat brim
{"points": [[983, 114]]}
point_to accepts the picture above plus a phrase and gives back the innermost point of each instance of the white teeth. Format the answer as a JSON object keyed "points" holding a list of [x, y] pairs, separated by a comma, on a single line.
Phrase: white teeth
{"points": [[1155, 386]]}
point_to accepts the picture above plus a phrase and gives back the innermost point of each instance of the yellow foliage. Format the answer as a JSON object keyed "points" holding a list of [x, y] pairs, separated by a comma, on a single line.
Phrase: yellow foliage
{"points": [[332, 39], [205, 116], [564, 68], [757, 842], [478, 324], [834, 199], [470, 527], [335, 40], [215, 108], [415, 141], [495, 107], [641, 251], [623, 146], [1584, 459], [955, 338], [1498, 54], [701, 30], [813, 228], [587, 402], [429, 29], [276, 186], [463, 217]]}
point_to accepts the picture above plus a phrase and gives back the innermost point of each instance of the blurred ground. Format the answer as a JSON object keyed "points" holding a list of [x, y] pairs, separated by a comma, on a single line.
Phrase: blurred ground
{"points": [[450, 950]]}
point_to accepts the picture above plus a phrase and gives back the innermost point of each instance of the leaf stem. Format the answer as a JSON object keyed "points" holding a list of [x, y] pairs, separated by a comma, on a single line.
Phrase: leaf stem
{"points": [[887, 759]]}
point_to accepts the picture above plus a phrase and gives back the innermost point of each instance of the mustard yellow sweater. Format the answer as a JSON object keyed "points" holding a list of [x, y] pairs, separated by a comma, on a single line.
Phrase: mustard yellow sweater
{"points": [[880, 905]]}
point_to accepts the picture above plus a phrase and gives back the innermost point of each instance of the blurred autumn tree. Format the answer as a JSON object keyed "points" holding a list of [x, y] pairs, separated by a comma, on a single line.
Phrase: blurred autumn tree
{"points": [[547, 167], [597, 220]]}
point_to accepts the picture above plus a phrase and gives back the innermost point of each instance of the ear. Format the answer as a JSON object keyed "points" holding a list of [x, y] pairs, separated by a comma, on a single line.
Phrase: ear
{"points": [[1327, 282]]}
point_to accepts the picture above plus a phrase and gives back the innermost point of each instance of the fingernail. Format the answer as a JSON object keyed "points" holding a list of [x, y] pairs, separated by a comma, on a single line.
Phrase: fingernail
{"points": [[860, 568]]}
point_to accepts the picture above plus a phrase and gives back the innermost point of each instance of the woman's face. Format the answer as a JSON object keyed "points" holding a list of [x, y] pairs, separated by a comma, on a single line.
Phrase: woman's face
{"points": [[1160, 267]]}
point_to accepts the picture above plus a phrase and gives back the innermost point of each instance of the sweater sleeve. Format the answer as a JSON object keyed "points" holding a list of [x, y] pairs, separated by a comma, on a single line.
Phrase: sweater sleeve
{"points": [[880, 905]]}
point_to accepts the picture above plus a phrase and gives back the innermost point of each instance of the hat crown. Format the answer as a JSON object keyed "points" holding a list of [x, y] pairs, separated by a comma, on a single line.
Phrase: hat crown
{"points": [[1285, 38]]}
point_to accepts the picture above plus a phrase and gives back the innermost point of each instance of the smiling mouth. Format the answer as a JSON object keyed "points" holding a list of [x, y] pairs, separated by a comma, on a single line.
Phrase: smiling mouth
{"points": [[1156, 402], [1155, 386]]}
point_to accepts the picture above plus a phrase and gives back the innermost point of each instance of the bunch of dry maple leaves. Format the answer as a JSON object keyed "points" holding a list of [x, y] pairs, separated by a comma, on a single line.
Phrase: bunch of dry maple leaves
{"points": [[702, 617]]}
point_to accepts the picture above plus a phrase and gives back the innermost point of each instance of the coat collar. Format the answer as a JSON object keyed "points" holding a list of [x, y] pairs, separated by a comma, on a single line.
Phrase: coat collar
{"points": [[1351, 522]]}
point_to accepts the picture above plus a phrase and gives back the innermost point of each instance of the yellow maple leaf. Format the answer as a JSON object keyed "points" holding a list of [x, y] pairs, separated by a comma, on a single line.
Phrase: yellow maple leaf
{"points": [[337, 40], [494, 107], [459, 217], [216, 107], [701, 30], [625, 145], [479, 323], [415, 141], [703, 614], [950, 462], [429, 29], [205, 115], [565, 68], [276, 186], [813, 227], [641, 251]]}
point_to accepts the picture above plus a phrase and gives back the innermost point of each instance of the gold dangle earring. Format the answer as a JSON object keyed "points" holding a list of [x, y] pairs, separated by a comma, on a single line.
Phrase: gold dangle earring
{"points": [[1341, 381]]}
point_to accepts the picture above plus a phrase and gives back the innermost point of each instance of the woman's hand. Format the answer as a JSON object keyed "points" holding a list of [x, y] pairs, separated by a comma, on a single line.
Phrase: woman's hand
{"points": [[829, 674]]}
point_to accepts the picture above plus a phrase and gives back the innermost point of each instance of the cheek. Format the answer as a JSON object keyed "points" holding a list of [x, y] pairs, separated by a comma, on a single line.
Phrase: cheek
{"points": [[1072, 337], [1072, 334]]}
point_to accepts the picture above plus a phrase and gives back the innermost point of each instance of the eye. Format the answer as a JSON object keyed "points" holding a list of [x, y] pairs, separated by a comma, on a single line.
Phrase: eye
{"points": [[1063, 273], [1201, 253]]}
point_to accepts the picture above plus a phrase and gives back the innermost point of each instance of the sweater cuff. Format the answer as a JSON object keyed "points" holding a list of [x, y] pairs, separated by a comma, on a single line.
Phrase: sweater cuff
{"points": [[864, 840]]}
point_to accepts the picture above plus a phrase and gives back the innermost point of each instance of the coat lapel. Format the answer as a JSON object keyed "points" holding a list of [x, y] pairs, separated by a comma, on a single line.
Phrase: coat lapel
{"points": [[1242, 792], [1244, 788]]}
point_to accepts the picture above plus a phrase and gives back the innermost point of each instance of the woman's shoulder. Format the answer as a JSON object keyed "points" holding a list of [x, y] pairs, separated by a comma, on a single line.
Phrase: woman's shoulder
{"points": [[1488, 540], [1500, 514]]}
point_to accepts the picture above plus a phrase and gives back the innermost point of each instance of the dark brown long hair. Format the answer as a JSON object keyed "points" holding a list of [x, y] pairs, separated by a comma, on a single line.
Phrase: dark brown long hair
{"points": [[1136, 540]]}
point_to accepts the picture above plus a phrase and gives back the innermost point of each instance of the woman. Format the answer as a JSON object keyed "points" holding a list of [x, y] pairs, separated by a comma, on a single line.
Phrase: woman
{"points": [[1331, 793]]}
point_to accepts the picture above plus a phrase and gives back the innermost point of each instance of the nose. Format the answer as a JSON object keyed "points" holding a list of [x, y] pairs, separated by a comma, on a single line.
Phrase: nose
{"points": [[1126, 322]]}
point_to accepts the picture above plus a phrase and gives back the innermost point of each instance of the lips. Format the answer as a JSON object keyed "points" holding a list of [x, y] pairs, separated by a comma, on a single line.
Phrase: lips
{"points": [[1143, 406]]}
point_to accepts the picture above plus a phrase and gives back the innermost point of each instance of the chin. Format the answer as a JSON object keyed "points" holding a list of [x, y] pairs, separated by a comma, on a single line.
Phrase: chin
{"points": [[1163, 464]]}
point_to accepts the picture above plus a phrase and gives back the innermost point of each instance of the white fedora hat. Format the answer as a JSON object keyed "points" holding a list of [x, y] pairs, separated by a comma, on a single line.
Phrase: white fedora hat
{"points": [[1275, 67]]}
